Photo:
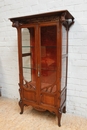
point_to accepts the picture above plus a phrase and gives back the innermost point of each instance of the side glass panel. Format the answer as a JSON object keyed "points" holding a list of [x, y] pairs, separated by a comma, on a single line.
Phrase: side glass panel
{"points": [[28, 58], [48, 58], [64, 60]]}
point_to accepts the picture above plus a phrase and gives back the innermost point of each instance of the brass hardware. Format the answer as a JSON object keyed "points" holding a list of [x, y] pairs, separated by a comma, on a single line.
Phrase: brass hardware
{"points": [[38, 70], [38, 73]]}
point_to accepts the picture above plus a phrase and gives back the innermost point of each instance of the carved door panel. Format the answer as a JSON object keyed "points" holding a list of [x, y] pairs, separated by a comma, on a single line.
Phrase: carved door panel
{"points": [[29, 63], [48, 63], [39, 62]]}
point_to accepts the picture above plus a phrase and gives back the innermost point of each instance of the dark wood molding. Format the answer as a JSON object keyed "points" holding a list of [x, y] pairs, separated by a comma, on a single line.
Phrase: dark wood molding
{"points": [[67, 23], [15, 24]]}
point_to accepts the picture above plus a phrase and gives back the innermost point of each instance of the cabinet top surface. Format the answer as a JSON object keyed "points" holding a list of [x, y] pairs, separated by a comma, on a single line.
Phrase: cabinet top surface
{"points": [[56, 13]]}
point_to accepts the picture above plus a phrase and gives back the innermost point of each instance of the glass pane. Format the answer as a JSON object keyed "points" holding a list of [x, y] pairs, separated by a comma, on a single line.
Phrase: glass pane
{"points": [[63, 74], [28, 57], [48, 58], [64, 41]]}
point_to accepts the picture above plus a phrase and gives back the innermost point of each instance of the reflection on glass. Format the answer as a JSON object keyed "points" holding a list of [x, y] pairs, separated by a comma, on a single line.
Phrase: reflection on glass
{"points": [[48, 56], [63, 74], [28, 57]]}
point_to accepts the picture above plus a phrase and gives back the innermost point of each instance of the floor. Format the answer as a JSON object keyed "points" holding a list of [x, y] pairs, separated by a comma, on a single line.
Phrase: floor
{"points": [[10, 119]]}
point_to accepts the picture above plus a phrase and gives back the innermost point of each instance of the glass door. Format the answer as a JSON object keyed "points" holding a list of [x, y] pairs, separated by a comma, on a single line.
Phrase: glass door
{"points": [[48, 43], [29, 60]]}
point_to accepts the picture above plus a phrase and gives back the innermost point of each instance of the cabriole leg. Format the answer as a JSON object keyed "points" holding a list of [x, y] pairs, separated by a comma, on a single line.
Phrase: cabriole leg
{"points": [[21, 106], [59, 118]]}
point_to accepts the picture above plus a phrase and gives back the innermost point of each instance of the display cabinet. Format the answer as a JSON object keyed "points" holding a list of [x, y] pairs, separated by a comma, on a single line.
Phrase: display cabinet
{"points": [[43, 60]]}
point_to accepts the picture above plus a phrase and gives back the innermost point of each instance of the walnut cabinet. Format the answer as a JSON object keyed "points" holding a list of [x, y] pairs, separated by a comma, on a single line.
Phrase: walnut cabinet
{"points": [[43, 60]]}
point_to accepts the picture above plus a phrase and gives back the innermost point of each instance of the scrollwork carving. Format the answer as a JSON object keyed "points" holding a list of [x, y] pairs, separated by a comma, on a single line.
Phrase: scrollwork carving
{"points": [[50, 88], [39, 19], [29, 85], [15, 24]]}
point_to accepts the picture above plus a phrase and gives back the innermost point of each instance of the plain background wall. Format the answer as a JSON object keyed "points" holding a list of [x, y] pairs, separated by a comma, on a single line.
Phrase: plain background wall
{"points": [[77, 70]]}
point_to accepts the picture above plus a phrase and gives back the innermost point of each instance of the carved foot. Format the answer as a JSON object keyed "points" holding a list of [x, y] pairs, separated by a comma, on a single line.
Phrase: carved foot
{"points": [[59, 119], [21, 106], [59, 124], [64, 109], [59, 114]]}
